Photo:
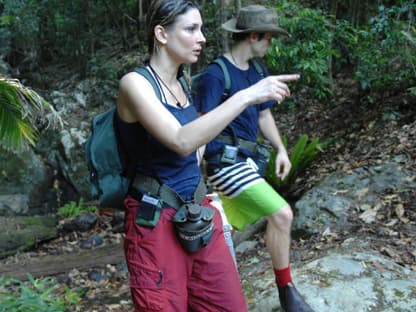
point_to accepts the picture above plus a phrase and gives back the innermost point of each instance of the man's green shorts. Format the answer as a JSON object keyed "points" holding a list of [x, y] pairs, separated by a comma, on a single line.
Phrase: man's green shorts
{"points": [[254, 202]]}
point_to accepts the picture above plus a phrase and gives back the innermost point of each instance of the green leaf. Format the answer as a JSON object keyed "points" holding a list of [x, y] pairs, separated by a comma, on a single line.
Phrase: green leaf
{"points": [[20, 107], [297, 152], [300, 157]]}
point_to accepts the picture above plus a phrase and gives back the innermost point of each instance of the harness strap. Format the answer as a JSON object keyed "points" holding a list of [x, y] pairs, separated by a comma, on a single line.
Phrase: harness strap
{"points": [[165, 193], [248, 145]]}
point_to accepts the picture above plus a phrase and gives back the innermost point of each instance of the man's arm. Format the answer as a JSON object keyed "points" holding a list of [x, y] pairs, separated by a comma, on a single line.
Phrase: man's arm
{"points": [[271, 133]]}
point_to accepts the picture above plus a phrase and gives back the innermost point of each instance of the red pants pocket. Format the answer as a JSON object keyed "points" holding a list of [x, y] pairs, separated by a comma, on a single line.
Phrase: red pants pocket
{"points": [[147, 288]]}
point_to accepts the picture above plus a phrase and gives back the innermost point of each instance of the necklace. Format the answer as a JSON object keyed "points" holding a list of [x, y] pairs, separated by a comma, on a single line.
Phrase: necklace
{"points": [[178, 103]]}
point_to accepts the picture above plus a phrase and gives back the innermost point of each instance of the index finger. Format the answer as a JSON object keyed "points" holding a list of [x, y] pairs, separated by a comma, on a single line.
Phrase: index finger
{"points": [[285, 78]]}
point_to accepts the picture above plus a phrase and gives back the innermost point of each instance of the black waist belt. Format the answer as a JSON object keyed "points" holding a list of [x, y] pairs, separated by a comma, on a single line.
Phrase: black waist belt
{"points": [[165, 193], [248, 145]]}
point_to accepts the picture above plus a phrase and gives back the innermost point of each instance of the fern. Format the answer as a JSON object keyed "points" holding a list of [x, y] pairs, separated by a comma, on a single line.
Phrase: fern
{"points": [[73, 209], [35, 295], [301, 156]]}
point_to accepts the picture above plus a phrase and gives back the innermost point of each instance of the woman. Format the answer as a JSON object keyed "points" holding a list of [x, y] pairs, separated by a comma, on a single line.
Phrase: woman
{"points": [[164, 137]]}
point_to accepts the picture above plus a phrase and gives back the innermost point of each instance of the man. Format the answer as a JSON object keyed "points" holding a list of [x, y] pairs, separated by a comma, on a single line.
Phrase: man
{"points": [[245, 195]]}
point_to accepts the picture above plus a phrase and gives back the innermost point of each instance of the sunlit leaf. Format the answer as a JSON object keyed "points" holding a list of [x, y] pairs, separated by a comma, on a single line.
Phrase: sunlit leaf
{"points": [[20, 107]]}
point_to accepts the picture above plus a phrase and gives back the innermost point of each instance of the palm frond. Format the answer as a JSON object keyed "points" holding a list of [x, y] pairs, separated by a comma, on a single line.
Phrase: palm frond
{"points": [[20, 108]]}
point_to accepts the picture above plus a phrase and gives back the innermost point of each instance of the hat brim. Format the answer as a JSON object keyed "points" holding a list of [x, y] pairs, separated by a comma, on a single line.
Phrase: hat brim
{"points": [[232, 23]]}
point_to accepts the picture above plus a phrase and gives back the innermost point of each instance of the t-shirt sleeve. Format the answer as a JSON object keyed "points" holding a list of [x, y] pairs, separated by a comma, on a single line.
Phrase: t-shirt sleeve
{"points": [[266, 105], [211, 88]]}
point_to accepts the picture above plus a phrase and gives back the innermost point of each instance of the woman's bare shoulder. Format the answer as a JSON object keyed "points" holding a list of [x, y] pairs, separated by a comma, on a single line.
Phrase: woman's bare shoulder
{"points": [[132, 77]]}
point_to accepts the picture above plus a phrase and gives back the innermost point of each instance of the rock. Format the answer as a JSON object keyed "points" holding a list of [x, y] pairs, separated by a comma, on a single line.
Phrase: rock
{"points": [[343, 280], [330, 203], [94, 240], [25, 183], [14, 204], [82, 223], [23, 233], [244, 246]]}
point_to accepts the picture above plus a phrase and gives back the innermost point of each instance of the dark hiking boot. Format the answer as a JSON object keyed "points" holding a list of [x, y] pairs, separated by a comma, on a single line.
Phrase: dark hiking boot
{"points": [[291, 300]]}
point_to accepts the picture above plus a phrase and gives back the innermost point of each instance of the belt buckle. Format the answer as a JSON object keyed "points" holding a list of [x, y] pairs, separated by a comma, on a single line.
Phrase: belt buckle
{"points": [[229, 154]]}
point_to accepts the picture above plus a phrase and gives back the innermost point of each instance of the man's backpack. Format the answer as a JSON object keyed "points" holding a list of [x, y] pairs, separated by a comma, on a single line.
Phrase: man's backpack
{"points": [[196, 80], [109, 181]]}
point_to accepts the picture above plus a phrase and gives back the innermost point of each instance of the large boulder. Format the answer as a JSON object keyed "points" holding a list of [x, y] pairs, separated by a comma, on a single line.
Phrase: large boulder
{"points": [[345, 279], [330, 203], [26, 183]]}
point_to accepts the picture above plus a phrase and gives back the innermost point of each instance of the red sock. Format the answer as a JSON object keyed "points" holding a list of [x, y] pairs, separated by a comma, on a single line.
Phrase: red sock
{"points": [[283, 276]]}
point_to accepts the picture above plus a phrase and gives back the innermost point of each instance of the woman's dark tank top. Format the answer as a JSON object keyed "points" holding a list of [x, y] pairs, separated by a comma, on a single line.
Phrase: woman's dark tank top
{"points": [[154, 159]]}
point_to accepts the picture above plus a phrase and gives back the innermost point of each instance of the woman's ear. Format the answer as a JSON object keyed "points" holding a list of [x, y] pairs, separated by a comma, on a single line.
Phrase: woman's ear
{"points": [[160, 34]]}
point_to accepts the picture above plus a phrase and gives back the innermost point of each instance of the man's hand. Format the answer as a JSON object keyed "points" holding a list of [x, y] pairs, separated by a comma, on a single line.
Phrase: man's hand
{"points": [[283, 165], [271, 88], [282, 88]]}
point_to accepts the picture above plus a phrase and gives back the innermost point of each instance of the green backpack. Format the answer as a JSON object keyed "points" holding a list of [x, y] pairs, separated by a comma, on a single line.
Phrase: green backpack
{"points": [[109, 181]]}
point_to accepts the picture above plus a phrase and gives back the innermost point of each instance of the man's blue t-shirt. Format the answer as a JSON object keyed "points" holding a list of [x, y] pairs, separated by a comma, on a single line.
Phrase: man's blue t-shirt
{"points": [[209, 96]]}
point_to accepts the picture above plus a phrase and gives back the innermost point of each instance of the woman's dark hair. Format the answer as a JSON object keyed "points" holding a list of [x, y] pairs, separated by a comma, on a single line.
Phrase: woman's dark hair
{"points": [[164, 13]]}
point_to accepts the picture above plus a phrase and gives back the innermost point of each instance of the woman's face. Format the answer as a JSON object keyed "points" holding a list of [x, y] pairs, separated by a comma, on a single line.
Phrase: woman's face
{"points": [[185, 38]]}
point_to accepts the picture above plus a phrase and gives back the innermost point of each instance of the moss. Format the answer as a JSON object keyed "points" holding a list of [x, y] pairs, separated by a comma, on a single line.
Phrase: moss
{"points": [[22, 233]]}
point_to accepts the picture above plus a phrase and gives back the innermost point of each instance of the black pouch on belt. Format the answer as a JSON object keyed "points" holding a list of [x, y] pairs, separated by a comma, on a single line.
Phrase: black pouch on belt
{"points": [[261, 158], [149, 211], [193, 225]]}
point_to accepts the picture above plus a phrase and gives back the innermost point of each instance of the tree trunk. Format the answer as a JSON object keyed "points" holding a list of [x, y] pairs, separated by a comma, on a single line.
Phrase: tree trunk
{"points": [[237, 6], [333, 13], [224, 34]]}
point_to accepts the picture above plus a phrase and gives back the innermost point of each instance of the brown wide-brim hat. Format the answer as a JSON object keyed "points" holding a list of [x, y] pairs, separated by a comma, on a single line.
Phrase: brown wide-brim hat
{"points": [[255, 18]]}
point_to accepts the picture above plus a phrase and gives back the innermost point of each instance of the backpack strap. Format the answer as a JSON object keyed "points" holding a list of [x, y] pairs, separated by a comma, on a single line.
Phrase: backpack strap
{"points": [[152, 186], [259, 68], [146, 74], [227, 78], [131, 169]]}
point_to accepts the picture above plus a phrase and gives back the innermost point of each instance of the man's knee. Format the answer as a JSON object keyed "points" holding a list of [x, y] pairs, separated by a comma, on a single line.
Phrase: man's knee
{"points": [[282, 219]]}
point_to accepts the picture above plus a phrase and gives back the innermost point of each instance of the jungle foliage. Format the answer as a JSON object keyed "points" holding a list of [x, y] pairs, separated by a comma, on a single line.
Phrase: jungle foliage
{"points": [[43, 294], [301, 155], [38, 32], [21, 109], [73, 209], [376, 41], [380, 52], [372, 39]]}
